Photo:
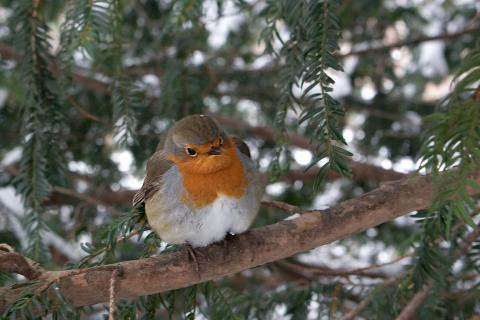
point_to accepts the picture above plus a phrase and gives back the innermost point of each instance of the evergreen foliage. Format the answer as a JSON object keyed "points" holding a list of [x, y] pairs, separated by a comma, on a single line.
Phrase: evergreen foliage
{"points": [[87, 84], [41, 162], [309, 52]]}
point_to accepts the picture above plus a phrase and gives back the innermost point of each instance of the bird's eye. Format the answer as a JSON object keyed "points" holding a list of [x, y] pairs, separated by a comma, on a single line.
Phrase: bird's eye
{"points": [[220, 141], [191, 152]]}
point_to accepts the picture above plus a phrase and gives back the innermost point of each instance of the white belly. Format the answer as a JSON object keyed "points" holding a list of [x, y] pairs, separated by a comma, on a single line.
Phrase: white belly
{"points": [[201, 227], [177, 223]]}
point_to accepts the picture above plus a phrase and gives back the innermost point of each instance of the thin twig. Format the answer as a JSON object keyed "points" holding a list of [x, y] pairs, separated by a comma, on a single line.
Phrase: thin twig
{"points": [[364, 304], [381, 265], [412, 42], [283, 206], [14, 262], [299, 267], [324, 271], [84, 197], [119, 239], [6, 247], [84, 113], [411, 307]]}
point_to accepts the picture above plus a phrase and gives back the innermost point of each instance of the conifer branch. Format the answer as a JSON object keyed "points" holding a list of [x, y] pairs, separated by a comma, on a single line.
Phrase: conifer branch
{"points": [[109, 198], [413, 42], [367, 272], [353, 314], [360, 171], [42, 125], [253, 248], [416, 301]]}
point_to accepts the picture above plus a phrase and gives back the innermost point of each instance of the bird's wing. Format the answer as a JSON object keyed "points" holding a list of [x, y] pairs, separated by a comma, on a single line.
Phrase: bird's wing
{"points": [[242, 146], [157, 165]]}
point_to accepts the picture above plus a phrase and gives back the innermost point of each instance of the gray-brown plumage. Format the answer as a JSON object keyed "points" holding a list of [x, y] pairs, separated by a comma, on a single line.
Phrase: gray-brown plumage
{"points": [[196, 129], [200, 185], [157, 165]]}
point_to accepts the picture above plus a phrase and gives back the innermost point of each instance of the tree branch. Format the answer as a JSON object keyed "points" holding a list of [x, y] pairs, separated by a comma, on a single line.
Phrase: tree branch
{"points": [[250, 249], [11, 261], [412, 42], [110, 198], [360, 171], [283, 206], [411, 308], [301, 267], [352, 314], [79, 76]]}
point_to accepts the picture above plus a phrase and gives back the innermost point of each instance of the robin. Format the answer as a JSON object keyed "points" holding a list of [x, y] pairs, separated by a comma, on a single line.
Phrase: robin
{"points": [[201, 186]]}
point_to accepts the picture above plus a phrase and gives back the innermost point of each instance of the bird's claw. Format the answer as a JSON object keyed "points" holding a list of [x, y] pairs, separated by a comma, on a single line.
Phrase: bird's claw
{"points": [[228, 237], [191, 253]]}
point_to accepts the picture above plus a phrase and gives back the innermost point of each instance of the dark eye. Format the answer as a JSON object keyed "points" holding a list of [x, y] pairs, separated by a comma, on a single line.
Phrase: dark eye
{"points": [[220, 141], [191, 152]]}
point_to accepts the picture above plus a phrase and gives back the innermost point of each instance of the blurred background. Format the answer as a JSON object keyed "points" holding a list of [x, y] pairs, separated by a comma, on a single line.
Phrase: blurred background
{"points": [[89, 98]]}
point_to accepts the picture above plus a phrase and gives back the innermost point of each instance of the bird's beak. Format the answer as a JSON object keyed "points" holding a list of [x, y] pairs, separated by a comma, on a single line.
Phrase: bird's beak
{"points": [[214, 151]]}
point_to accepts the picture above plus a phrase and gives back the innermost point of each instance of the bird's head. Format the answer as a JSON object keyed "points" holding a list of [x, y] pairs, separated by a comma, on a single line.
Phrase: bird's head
{"points": [[197, 145]]}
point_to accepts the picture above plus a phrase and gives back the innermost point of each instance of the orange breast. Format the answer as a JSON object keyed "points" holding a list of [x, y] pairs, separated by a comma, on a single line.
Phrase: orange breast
{"points": [[203, 189]]}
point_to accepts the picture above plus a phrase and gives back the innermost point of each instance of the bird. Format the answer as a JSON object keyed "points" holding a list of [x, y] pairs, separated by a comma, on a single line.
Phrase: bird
{"points": [[200, 185]]}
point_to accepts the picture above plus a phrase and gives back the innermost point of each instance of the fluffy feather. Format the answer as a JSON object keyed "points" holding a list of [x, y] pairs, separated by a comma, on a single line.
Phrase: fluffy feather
{"points": [[197, 199], [177, 222]]}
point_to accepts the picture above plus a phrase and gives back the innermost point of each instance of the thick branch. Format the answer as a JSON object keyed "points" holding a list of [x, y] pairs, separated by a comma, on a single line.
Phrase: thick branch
{"points": [[253, 248]]}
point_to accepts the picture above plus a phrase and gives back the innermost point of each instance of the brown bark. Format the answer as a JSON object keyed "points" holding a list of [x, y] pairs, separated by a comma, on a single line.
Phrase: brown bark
{"points": [[11, 261], [253, 248]]}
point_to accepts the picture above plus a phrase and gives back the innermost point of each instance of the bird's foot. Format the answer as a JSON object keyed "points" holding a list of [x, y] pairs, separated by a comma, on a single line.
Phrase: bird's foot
{"points": [[228, 237], [191, 253]]}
